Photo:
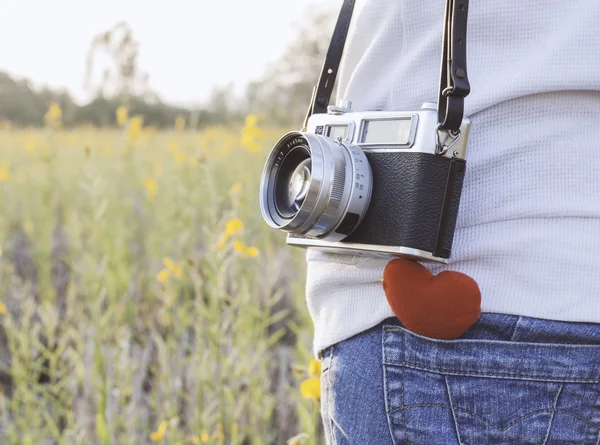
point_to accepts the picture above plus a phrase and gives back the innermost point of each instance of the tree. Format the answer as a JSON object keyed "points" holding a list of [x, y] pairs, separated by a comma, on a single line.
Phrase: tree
{"points": [[120, 76], [284, 92], [23, 105]]}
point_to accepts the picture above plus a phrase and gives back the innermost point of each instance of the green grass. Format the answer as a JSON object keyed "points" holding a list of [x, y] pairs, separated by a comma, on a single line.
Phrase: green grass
{"points": [[100, 347]]}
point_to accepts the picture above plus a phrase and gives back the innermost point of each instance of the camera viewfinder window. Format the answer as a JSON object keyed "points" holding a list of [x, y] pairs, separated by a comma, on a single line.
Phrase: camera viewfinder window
{"points": [[336, 131], [396, 131]]}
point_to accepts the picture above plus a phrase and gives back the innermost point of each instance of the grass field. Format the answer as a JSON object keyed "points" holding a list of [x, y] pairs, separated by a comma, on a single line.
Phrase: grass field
{"points": [[142, 297]]}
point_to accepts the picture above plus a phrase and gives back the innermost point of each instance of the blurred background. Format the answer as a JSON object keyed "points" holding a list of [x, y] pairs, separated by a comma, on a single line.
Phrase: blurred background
{"points": [[142, 297]]}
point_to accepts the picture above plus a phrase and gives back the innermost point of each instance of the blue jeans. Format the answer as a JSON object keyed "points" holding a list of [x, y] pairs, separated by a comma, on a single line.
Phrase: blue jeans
{"points": [[508, 380]]}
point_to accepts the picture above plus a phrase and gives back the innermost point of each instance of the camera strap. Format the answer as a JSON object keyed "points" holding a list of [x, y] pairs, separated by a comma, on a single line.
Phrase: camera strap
{"points": [[322, 92], [454, 83]]}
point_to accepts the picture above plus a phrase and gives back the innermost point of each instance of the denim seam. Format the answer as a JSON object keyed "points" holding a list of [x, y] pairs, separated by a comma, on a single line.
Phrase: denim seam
{"points": [[323, 353], [592, 412], [485, 420], [341, 430], [452, 371], [328, 402], [385, 389], [408, 441], [514, 332], [553, 413], [475, 341], [453, 411], [583, 419]]}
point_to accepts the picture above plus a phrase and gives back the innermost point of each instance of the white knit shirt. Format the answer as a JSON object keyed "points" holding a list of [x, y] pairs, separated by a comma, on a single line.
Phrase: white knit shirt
{"points": [[528, 228]]}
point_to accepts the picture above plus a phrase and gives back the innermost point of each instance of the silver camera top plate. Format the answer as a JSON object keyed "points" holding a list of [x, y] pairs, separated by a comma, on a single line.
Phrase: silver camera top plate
{"points": [[391, 131]]}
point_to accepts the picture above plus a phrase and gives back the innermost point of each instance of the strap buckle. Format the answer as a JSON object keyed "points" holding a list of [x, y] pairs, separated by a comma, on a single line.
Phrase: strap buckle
{"points": [[440, 147]]}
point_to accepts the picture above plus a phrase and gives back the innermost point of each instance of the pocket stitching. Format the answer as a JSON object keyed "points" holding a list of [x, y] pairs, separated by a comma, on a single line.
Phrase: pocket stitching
{"points": [[553, 413], [556, 378], [394, 328], [460, 441], [385, 391], [590, 423], [408, 441], [452, 371], [487, 421]]}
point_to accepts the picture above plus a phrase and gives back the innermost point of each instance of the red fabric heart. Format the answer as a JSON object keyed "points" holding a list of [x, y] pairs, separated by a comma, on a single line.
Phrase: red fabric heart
{"points": [[443, 306]]}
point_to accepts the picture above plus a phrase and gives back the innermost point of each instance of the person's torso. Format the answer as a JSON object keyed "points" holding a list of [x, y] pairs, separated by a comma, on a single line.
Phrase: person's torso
{"points": [[528, 228]]}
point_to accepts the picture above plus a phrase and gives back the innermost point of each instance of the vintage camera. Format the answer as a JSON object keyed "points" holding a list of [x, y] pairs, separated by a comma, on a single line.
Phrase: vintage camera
{"points": [[372, 183]]}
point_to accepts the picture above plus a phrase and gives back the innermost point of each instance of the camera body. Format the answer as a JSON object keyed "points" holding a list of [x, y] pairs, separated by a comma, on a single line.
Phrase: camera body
{"points": [[395, 192]]}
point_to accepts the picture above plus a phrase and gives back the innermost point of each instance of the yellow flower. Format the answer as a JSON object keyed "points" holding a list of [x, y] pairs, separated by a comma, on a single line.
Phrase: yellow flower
{"points": [[180, 122], [235, 188], [314, 368], [2, 308], [248, 142], [311, 388], [246, 250], [135, 128], [239, 246], [250, 133], [251, 120], [151, 188], [53, 116], [233, 226], [122, 116], [172, 267], [253, 132], [54, 110], [159, 434], [4, 173], [163, 275]]}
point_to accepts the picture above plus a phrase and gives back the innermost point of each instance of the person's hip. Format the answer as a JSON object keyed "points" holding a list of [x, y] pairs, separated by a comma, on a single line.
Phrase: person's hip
{"points": [[508, 379]]}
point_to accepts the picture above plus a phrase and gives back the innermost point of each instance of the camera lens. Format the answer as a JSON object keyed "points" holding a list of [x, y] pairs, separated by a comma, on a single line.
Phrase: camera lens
{"points": [[292, 181], [298, 184], [311, 183]]}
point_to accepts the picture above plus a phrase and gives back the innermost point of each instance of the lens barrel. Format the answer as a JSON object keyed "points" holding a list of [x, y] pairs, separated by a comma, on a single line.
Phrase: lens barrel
{"points": [[310, 183]]}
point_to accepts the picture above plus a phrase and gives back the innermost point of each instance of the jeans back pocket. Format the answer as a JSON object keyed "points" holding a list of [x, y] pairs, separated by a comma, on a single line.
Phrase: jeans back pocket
{"points": [[472, 392]]}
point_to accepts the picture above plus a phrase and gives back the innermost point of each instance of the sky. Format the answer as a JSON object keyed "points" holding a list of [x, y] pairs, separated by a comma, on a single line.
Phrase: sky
{"points": [[186, 46]]}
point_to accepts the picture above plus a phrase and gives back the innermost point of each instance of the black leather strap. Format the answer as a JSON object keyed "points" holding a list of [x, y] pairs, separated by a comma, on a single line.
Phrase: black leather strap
{"points": [[454, 84], [332, 60]]}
